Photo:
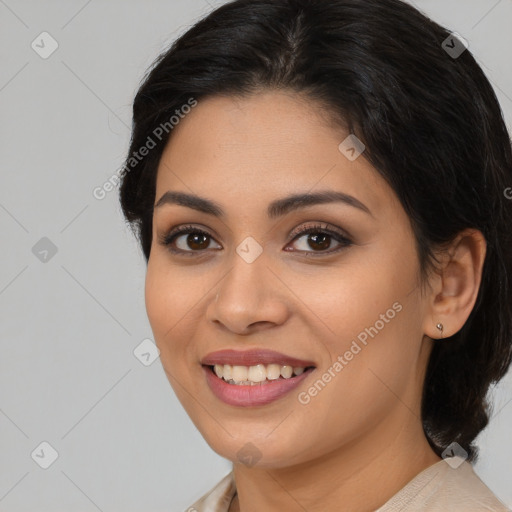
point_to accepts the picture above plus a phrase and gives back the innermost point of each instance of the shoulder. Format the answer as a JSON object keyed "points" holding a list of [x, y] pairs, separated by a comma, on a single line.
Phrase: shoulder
{"points": [[216, 499], [443, 486]]}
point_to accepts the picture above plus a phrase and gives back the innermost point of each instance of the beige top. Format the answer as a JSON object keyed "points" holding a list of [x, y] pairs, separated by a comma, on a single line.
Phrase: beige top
{"points": [[438, 488]]}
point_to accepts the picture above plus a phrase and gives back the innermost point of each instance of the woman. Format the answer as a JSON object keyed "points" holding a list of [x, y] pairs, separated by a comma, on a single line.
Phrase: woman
{"points": [[319, 195]]}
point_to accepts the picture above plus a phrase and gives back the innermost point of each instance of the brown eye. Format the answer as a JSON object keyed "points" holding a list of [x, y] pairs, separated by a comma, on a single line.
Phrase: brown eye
{"points": [[187, 240], [196, 241], [318, 239]]}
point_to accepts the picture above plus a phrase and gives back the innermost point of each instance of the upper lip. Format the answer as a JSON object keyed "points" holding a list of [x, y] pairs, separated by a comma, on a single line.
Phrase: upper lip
{"points": [[252, 358]]}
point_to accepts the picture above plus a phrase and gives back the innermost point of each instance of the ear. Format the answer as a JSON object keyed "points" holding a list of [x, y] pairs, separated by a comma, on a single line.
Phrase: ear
{"points": [[454, 288]]}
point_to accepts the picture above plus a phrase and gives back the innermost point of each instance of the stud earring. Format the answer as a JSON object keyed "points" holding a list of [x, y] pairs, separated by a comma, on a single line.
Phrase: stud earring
{"points": [[440, 327]]}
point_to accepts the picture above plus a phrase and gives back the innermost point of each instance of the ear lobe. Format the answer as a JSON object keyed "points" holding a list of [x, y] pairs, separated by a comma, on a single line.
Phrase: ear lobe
{"points": [[457, 284]]}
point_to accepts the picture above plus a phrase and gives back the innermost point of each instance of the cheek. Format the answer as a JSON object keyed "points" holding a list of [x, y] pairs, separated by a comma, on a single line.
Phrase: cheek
{"points": [[362, 295], [368, 316], [173, 306], [156, 299], [163, 305]]}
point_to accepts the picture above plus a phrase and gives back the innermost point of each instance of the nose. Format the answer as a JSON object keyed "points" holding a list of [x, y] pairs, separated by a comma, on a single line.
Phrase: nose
{"points": [[249, 298]]}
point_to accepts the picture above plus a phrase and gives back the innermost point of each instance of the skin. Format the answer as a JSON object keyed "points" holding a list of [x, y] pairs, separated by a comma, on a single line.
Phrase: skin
{"points": [[359, 440]]}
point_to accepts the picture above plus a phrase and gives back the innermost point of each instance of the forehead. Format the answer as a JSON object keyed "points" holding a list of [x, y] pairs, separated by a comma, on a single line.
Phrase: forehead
{"points": [[263, 146]]}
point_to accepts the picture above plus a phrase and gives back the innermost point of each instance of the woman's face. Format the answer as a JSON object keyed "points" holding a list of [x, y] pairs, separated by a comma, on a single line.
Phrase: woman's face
{"points": [[343, 299]]}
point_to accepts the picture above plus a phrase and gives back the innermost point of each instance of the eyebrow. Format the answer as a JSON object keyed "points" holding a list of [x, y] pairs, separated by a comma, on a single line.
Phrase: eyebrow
{"points": [[275, 209]]}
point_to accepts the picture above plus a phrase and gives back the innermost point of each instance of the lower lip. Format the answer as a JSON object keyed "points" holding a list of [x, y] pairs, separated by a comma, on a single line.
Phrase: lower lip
{"points": [[250, 395]]}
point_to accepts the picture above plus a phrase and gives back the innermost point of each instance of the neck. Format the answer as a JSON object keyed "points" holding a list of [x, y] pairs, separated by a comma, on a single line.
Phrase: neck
{"points": [[362, 476]]}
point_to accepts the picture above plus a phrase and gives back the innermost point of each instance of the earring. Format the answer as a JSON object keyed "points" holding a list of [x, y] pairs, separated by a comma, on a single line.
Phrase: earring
{"points": [[440, 327]]}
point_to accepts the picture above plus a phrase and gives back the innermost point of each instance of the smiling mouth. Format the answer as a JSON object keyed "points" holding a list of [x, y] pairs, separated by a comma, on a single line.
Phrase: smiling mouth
{"points": [[256, 375]]}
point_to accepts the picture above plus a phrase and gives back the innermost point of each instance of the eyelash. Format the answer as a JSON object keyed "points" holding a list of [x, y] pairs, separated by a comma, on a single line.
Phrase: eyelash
{"points": [[167, 239]]}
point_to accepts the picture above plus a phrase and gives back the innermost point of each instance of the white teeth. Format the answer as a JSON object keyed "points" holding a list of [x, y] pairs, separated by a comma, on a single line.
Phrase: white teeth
{"points": [[255, 374], [273, 371], [227, 372], [239, 373], [286, 372], [218, 370]]}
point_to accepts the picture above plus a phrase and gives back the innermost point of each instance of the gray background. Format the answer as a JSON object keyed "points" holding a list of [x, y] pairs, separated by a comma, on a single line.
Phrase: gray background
{"points": [[69, 325]]}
